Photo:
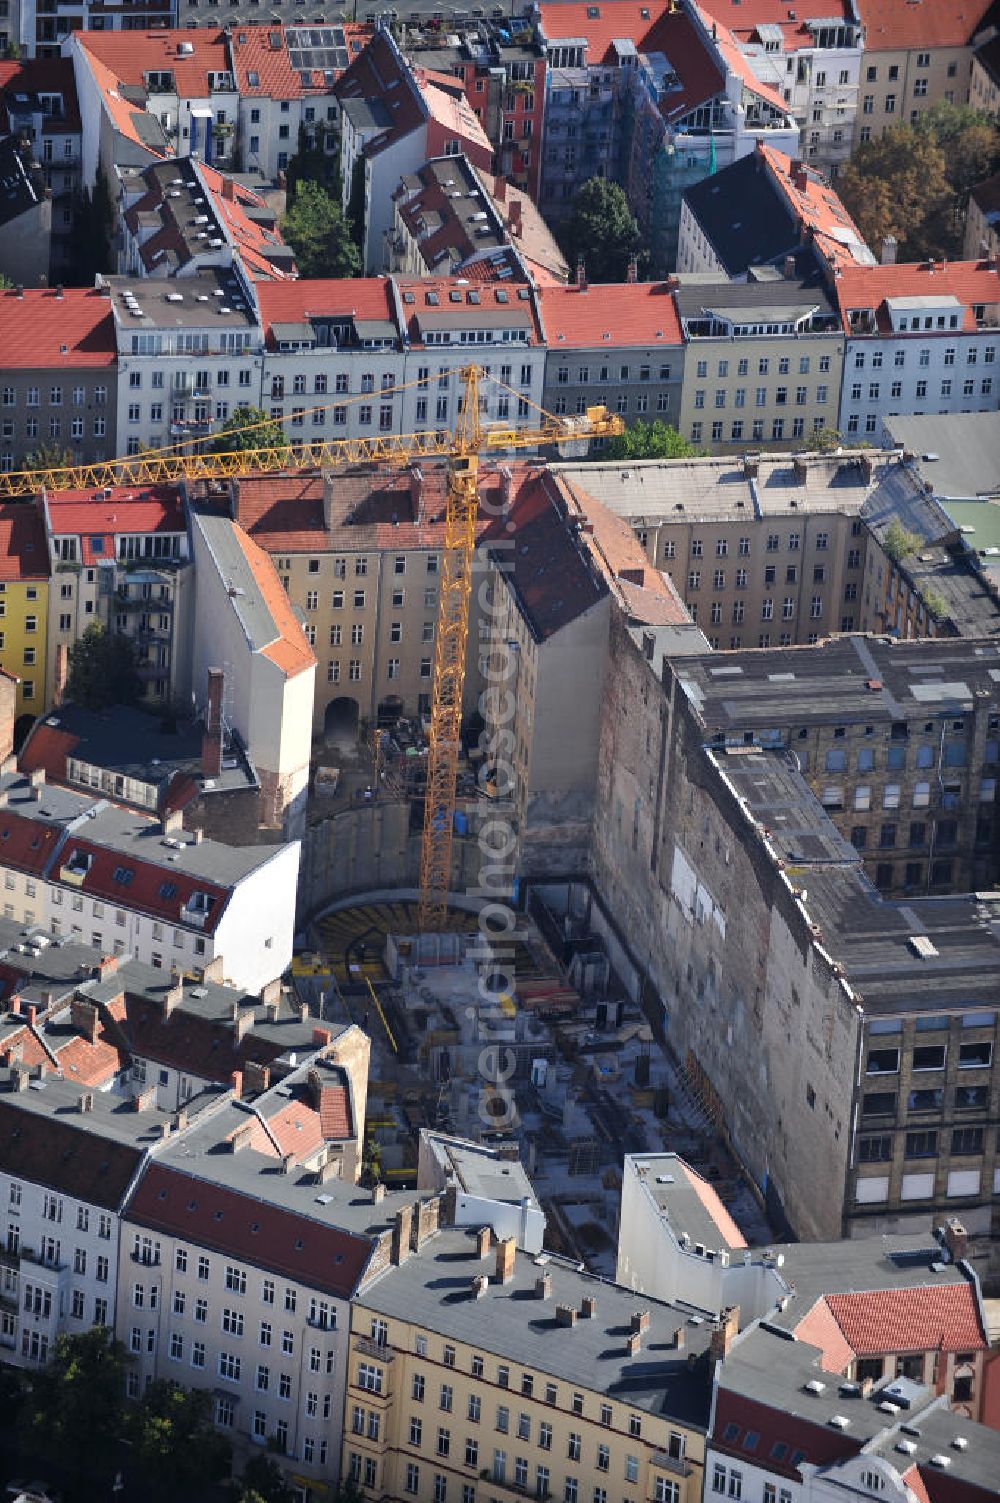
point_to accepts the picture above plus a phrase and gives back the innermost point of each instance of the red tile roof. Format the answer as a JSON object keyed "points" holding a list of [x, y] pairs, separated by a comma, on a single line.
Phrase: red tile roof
{"points": [[611, 316], [130, 55], [249, 1229], [90, 1064], [49, 1151], [737, 63], [815, 205], [136, 509], [819, 1328], [24, 549], [504, 298], [370, 76], [143, 891], [819, 1444], [46, 747], [26, 844], [753, 13], [899, 24], [294, 302], [40, 330], [276, 78], [43, 75], [289, 651], [921, 1319], [334, 1112], [970, 282], [203, 1046], [709, 1198]]}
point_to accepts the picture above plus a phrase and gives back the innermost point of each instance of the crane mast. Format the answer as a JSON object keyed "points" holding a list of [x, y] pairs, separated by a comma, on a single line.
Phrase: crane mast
{"points": [[462, 450]]}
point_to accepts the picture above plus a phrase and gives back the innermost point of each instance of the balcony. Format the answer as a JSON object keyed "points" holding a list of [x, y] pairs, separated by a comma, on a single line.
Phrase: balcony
{"points": [[678, 1465], [74, 871], [381, 1352]]}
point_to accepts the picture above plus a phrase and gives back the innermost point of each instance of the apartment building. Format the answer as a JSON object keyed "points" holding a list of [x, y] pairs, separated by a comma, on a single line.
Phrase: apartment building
{"points": [[982, 221], [251, 1246], [188, 353], [38, 97], [785, 1427], [120, 557], [921, 338], [984, 80], [24, 601], [503, 70], [177, 89], [768, 551], [763, 362], [813, 60], [428, 117], [90, 869], [785, 778], [761, 211], [452, 220], [284, 74], [571, 1386], [249, 649], [908, 1308], [59, 382], [180, 216], [915, 56], [39, 30], [655, 98], [359, 555], [618, 346], [552, 596]]}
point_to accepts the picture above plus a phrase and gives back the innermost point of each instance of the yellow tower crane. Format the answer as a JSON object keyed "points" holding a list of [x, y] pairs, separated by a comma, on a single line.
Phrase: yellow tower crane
{"points": [[462, 449]]}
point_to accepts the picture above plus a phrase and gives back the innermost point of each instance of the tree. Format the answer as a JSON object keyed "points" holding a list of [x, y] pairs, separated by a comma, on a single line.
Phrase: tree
{"points": [[102, 670], [823, 441], [897, 542], [316, 160], [315, 227], [914, 182], [93, 226], [48, 456], [74, 1409], [249, 428], [601, 231], [175, 1442], [262, 1482], [648, 441]]}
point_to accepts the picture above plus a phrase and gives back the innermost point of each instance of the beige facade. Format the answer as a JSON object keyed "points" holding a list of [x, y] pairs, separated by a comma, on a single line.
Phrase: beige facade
{"points": [[458, 1396], [984, 82], [899, 85], [982, 220], [762, 389]]}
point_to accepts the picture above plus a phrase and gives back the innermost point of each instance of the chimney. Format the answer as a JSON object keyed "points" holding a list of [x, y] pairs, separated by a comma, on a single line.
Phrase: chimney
{"points": [[639, 1321], [15, 1006], [32, 1015], [679, 1339], [85, 1018], [173, 997], [242, 1137], [322, 1037], [378, 1193], [59, 291], [400, 1247], [106, 966], [588, 1307], [211, 744], [566, 1315], [956, 1239], [890, 247], [581, 276], [480, 1284], [19, 290], [506, 1252], [180, 1119], [543, 1286], [800, 177], [724, 1333], [243, 1024], [61, 673], [801, 469], [197, 835], [632, 270], [751, 466], [484, 1241], [634, 1344], [36, 780], [271, 992], [416, 491], [236, 1083], [172, 822], [867, 468], [3, 798], [228, 189], [788, 270], [500, 189], [514, 218], [21, 1077], [86, 1102], [256, 1077]]}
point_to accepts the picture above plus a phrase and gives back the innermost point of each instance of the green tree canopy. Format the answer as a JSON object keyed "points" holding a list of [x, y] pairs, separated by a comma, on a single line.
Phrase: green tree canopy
{"points": [[601, 231], [175, 1442], [914, 181], [50, 455], [74, 1407], [897, 542], [102, 670], [315, 227], [249, 428], [316, 159], [648, 441], [262, 1481]]}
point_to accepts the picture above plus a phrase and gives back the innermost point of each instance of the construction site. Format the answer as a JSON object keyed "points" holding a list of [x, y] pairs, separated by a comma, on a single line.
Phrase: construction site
{"points": [[588, 1080]]}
